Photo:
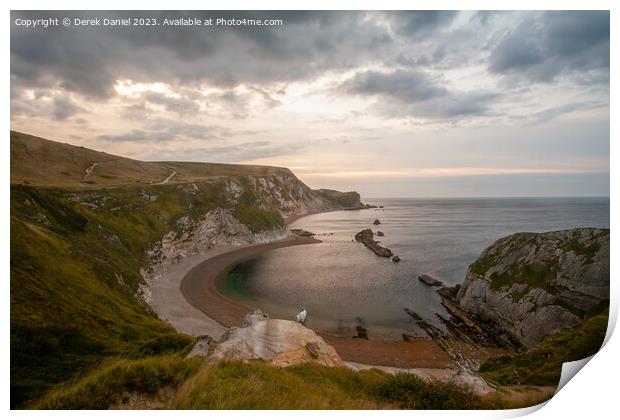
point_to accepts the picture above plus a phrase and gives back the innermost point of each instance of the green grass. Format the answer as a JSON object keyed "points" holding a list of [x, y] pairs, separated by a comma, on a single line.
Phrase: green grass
{"points": [[586, 252], [542, 365], [103, 387], [535, 274], [256, 385], [345, 199]]}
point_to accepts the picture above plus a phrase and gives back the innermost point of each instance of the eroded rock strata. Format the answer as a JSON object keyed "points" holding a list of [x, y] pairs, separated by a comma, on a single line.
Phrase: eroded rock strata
{"points": [[529, 285]]}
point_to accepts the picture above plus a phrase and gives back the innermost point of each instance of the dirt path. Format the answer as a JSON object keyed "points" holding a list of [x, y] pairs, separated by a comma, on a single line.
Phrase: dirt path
{"points": [[168, 178], [89, 171]]}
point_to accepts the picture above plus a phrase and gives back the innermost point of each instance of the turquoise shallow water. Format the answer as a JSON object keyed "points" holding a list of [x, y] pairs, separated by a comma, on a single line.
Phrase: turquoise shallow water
{"points": [[341, 283]]}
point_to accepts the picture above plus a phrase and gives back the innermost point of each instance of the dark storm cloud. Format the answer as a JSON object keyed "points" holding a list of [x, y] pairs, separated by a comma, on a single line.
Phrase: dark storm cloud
{"points": [[555, 43], [63, 107], [59, 107], [178, 105], [404, 93], [421, 23], [89, 60], [529, 47]]}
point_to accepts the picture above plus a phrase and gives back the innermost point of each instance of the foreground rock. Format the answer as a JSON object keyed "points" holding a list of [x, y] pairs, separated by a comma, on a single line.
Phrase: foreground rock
{"points": [[367, 238], [529, 285], [204, 345], [429, 280], [277, 341]]}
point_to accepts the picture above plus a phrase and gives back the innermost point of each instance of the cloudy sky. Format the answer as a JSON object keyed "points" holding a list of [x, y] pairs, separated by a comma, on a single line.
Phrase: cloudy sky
{"points": [[386, 103]]}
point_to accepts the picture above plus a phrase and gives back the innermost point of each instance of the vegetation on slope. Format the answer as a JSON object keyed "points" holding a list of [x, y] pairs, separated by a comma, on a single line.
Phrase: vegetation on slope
{"points": [[256, 385], [542, 365], [75, 272], [349, 199], [104, 386]]}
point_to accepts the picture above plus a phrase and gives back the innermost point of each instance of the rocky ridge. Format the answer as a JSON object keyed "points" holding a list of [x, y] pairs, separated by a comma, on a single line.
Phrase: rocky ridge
{"points": [[529, 285], [277, 341]]}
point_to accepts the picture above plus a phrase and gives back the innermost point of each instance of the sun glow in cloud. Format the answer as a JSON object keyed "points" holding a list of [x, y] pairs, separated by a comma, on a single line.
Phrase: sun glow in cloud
{"points": [[131, 89]]}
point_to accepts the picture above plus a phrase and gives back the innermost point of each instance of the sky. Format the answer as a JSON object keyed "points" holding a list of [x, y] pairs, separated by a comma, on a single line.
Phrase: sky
{"points": [[390, 104]]}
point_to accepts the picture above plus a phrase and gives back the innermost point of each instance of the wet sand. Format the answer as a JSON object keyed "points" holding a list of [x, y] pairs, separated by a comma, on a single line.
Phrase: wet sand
{"points": [[199, 287]]}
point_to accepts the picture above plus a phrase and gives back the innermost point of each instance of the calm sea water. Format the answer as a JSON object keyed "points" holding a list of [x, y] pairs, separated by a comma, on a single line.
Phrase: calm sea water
{"points": [[341, 283]]}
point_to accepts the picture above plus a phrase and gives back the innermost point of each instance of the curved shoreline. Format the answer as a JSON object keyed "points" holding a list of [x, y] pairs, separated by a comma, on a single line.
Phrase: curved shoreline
{"points": [[199, 287]]}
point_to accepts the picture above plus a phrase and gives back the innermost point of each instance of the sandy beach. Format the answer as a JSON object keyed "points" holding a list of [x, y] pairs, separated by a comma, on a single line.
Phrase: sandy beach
{"points": [[187, 297]]}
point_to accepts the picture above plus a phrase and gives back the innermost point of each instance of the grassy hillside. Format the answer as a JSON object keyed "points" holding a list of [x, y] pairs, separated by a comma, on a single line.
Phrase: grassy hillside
{"points": [[255, 385], [542, 365], [66, 165]]}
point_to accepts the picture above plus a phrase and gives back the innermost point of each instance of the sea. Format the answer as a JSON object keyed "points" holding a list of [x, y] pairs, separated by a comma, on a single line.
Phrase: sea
{"points": [[342, 284]]}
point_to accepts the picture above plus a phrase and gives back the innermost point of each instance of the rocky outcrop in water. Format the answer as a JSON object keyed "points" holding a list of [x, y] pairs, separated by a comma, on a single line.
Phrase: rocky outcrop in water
{"points": [[367, 238], [279, 342], [429, 280], [529, 285]]}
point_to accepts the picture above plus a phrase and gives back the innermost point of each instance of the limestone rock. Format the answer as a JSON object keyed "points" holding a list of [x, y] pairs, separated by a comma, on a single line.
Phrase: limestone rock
{"points": [[533, 284], [280, 342], [254, 317], [203, 346]]}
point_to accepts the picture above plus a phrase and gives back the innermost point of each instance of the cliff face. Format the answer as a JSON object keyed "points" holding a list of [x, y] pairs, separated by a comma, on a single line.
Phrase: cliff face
{"points": [[533, 284], [249, 209]]}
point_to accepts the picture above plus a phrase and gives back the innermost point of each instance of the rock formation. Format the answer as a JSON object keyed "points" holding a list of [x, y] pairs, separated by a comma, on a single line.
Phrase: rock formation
{"points": [[279, 342], [376, 222], [429, 280], [532, 284], [367, 238]]}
